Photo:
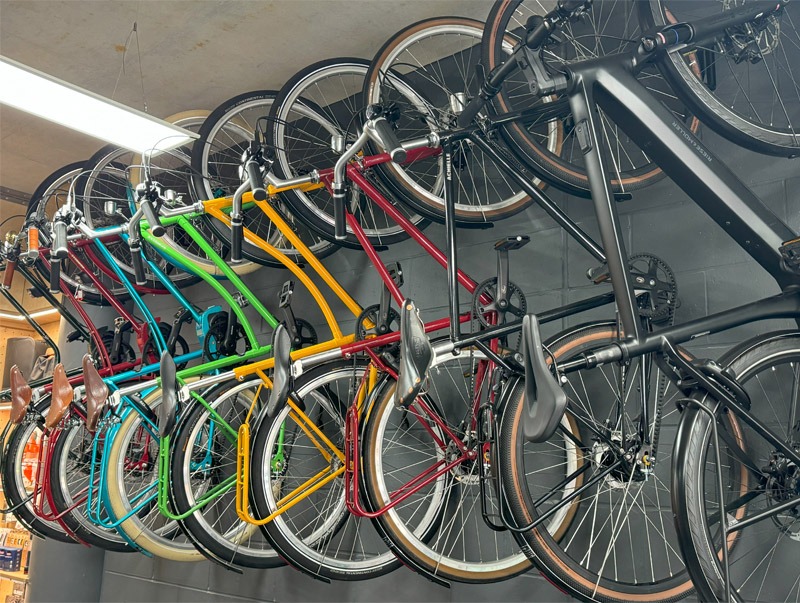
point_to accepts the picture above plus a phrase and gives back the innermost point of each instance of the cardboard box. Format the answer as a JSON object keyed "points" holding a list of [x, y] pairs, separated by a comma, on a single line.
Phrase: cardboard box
{"points": [[10, 558]]}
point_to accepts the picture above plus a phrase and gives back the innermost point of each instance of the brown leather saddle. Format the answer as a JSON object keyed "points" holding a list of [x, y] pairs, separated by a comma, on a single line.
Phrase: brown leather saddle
{"points": [[21, 394], [96, 393], [60, 398]]}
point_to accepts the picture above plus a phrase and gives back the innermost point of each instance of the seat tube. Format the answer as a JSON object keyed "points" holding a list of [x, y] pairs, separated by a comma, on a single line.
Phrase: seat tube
{"points": [[450, 228], [586, 130]]}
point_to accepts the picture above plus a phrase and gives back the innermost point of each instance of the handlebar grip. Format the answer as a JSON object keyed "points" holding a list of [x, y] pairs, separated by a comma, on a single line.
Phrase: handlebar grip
{"points": [[55, 275], [256, 183], [388, 140], [470, 111], [138, 264], [33, 242], [8, 275], [339, 215], [156, 227], [237, 233], [59, 249]]}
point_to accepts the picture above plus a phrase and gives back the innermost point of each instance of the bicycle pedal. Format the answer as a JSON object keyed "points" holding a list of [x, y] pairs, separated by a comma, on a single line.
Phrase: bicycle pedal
{"points": [[512, 243], [790, 252], [598, 274]]}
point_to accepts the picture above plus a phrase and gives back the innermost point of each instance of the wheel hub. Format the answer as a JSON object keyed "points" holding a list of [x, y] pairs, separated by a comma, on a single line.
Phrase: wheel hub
{"points": [[467, 471], [783, 485], [604, 455], [752, 41]]}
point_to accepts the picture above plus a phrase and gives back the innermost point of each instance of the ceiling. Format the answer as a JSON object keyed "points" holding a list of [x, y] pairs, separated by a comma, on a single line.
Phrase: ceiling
{"points": [[194, 54]]}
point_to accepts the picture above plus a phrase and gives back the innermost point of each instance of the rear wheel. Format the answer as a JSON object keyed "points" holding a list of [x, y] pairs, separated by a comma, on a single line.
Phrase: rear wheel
{"points": [[440, 529], [621, 543], [756, 479], [297, 472], [203, 457]]}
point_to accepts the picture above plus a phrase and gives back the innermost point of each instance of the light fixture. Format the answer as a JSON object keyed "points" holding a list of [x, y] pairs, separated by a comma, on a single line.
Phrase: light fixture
{"points": [[55, 100], [38, 314]]}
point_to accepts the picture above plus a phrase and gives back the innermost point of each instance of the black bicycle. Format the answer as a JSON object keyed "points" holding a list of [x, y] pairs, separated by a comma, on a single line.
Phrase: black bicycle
{"points": [[738, 434]]}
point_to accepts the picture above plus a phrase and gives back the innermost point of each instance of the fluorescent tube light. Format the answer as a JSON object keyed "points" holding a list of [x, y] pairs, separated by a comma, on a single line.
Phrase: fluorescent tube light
{"points": [[55, 100], [38, 314]]}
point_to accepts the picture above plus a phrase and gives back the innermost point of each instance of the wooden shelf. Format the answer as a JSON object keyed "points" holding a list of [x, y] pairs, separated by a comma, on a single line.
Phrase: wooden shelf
{"points": [[19, 576]]}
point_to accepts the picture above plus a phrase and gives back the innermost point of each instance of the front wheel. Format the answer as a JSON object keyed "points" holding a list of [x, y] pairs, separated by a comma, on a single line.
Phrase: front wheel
{"points": [[744, 84]]}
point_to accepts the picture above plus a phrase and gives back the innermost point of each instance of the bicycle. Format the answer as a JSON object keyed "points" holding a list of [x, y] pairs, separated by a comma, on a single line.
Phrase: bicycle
{"points": [[609, 83]]}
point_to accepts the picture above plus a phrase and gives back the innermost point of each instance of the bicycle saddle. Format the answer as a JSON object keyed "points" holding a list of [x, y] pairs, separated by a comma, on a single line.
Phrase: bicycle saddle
{"points": [[60, 397], [281, 376], [168, 409], [545, 399], [96, 393], [416, 355], [21, 394]]}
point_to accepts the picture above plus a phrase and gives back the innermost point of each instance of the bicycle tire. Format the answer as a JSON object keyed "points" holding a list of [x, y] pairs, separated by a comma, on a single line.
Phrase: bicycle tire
{"points": [[727, 108], [320, 101], [148, 530], [486, 555], [418, 74], [630, 169], [568, 562], [15, 489], [216, 161], [232, 541], [767, 365], [65, 466], [312, 538]]}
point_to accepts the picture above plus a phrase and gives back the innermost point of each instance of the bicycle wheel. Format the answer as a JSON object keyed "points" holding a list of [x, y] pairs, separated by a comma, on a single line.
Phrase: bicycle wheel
{"points": [[296, 473], [756, 479], [401, 447], [20, 460], [216, 168], [610, 27], [70, 474], [319, 102], [131, 478], [50, 195], [746, 86], [203, 457], [418, 76], [621, 543]]}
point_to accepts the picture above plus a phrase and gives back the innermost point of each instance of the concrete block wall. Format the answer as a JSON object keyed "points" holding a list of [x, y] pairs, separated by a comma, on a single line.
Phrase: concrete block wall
{"points": [[713, 274]]}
